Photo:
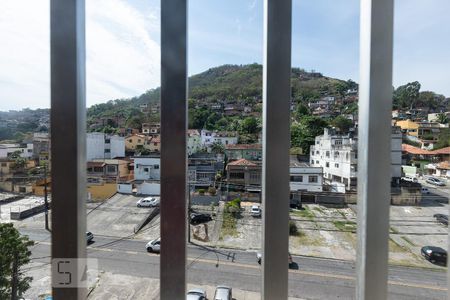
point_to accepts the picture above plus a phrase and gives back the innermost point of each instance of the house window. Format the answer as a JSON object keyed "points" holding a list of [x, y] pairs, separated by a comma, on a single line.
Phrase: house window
{"points": [[336, 165], [338, 142], [139, 140], [317, 162], [312, 162], [317, 152], [107, 141], [346, 156], [336, 153], [327, 164], [313, 178], [235, 175], [146, 170], [130, 140], [254, 176], [295, 178], [107, 150], [156, 167], [327, 154], [110, 169], [4, 164], [98, 169]]}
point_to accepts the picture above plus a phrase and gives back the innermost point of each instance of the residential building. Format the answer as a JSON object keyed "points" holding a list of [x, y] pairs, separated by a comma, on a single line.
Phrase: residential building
{"points": [[338, 156], [6, 166], [203, 168], [151, 128], [147, 167], [135, 141], [104, 146], [41, 146], [303, 177], [244, 175], [433, 117], [246, 151], [194, 141], [25, 150], [408, 127], [153, 144], [209, 137], [107, 169]]}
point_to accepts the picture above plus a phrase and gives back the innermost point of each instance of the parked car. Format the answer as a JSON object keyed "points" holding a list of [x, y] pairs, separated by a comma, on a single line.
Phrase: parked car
{"points": [[154, 245], [255, 211], [196, 294], [197, 218], [148, 202], [434, 254], [435, 181], [89, 237], [425, 191], [410, 179], [441, 218], [259, 258], [223, 293]]}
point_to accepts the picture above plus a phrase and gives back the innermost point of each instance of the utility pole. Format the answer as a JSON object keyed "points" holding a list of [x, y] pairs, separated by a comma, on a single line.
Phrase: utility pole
{"points": [[46, 199]]}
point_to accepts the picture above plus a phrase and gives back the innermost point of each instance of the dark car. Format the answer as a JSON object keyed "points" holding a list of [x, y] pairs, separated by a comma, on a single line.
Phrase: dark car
{"points": [[441, 218], [198, 218], [434, 254], [89, 237]]}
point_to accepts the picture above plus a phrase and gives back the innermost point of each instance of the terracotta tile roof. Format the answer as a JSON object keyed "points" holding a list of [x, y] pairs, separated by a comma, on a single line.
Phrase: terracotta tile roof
{"points": [[414, 150], [444, 165], [155, 139], [242, 162], [243, 146], [445, 150]]}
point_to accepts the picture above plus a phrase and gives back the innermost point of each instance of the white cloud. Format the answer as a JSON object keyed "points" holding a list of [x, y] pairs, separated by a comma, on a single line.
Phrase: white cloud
{"points": [[123, 52]]}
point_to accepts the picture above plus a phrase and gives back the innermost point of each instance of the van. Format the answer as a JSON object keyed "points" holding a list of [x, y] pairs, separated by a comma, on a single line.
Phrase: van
{"points": [[410, 178]]}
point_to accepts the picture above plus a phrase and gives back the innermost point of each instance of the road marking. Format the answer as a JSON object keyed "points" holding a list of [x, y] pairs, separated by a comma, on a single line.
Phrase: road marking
{"points": [[310, 273]]}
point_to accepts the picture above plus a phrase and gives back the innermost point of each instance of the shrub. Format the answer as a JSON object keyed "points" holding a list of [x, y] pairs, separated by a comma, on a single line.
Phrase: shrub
{"points": [[292, 228], [233, 206], [201, 191], [212, 190]]}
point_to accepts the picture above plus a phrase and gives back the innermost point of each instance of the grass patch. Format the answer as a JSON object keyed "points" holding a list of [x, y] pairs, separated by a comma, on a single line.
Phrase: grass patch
{"points": [[319, 209], [408, 241], [304, 239], [345, 225], [304, 213], [228, 226], [393, 230], [394, 247]]}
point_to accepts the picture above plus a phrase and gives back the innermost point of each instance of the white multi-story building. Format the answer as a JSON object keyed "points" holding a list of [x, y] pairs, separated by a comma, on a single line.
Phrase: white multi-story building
{"points": [[104, 146], [304, 177], [194, 141], [338, 156], [25, 150], [209, 137], [147, 168]]}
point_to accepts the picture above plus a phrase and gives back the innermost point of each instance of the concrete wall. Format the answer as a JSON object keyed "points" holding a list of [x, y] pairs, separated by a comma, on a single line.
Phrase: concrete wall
{"points": [[101, 192], [125, 188], [147, 168], [148, 188]]}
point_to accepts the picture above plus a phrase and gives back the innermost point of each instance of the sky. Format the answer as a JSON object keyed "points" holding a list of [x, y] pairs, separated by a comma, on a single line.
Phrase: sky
{"points": [[123, 44]]}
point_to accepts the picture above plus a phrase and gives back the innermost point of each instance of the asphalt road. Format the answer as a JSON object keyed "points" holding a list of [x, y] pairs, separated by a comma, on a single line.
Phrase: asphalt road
{"points": [[310, 278]]}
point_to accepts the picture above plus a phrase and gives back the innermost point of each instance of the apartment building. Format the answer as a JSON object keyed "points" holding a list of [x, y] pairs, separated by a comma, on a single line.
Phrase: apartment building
{"points": [[338, 156], [194, 141], [103, 146], [304, 177], [25, 150], [209, 137]]}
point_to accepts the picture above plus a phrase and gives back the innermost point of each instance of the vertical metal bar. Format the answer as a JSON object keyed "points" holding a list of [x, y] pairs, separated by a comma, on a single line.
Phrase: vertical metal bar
{"points": [[374, 134], [68, 127], [276, 143], [173, 148]]}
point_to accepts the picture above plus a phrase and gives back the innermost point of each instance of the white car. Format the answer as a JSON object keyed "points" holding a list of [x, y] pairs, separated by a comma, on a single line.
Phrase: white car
{"points": [[410, 179], [255, 211], [154, 245], [148, 202], [196, 294]]}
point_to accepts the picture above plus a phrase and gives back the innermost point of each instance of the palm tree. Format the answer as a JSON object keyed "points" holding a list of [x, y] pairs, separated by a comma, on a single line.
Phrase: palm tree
{"points": [[442, 118]]}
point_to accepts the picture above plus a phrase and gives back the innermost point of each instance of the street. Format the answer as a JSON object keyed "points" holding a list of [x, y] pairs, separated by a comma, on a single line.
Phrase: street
{"points": [[309, 278]]}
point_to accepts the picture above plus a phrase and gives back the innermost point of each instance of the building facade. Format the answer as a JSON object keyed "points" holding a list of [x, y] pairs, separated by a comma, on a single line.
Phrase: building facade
{"points": [[338, 156], [303, 177], [209, 137], [147, 167], [104, 146]]}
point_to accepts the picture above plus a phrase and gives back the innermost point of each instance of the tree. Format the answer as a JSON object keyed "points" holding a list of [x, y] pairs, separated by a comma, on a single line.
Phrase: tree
{"points": [[405, 96], [443, 139], [249, 125], [301, 110], [342, 123], [442, 118], [14, 253], [217, 147], [304, 132]]}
